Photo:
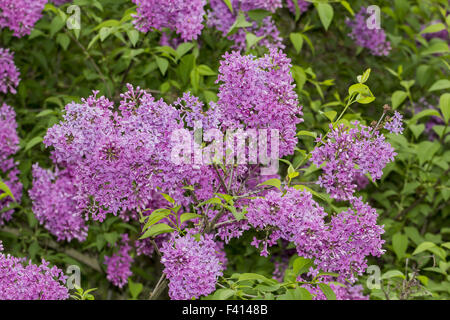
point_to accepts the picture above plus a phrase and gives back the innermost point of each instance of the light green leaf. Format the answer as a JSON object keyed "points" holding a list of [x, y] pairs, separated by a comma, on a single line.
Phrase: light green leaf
{"points": [[297, 41], [442, 84], [398, 97], [424, 246], [157, 230], [444, 105], [272, 182], [326, 13], [400, 244]]}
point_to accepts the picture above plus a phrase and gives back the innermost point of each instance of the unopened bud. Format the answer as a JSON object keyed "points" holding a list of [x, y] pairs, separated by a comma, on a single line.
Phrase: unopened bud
{"points": [[386, 108]]}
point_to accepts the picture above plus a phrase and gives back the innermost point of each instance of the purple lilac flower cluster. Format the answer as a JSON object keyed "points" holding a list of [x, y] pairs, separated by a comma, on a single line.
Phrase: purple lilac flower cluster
{"points": [[293, 216], [395, 124], [54, 205], [373, 39], [221, 18], [302, 5], [22, 280], [118, 266], [443, 34], [259, 93], [340, 246], [192, 267], [9, 173], [348, 152], [184, 17], [9, 75], [20, 15]]}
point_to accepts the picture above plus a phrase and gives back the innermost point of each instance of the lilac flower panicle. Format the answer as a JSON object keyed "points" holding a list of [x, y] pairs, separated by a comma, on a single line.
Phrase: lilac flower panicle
{"points": [[192, 267], [395, 124], [118, 268], [22, 280], [372, 39], [54, 204], [9, 173], [9, 75], [184, 17], [347, 153], [20, 16], [259, 93]]}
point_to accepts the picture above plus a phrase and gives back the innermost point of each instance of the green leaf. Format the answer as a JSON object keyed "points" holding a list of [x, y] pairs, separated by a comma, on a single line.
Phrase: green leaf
{"points": [[56, 25], [307, 133], [442, 84], [241, 22], [63, 40], [6, 190], [364, 77], [33, 142], [326, 13], [424, 246], [299, 75], [398, 97], [400, 244], [163, 64], [347, 6], [272, 182], [223, 294], [301, 265], [251, 40], [297, 41], [204, 70], [417, 129], [184, 48], [157, 230], [444, 105], [393, 274], [188, 216], [426, 150], [135, 288], [331, 115], [436, 47], [327, 291], [433, 28], [168, 198], [133, 35]]}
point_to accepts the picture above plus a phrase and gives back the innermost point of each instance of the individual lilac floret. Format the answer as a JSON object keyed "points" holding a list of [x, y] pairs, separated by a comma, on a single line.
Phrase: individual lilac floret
{"points": [[302, 5], [54, 205], [184, 17], [118, 268], [373, 39], [260, 94], [22, 280], [192, 267], [20, 15], [395, 124], [9, 145], [347, 153], [9, 75]]}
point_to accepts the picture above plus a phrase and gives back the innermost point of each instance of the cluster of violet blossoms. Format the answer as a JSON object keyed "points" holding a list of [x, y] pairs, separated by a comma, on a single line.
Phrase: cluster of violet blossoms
{"points": [[221, 18], [9, 75], [118, 266], [192, 266], [54, 204], [373, 38], [20, 16], [348, 153], [22, 280], [341, 245], [9, 173], [184, 17]]}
